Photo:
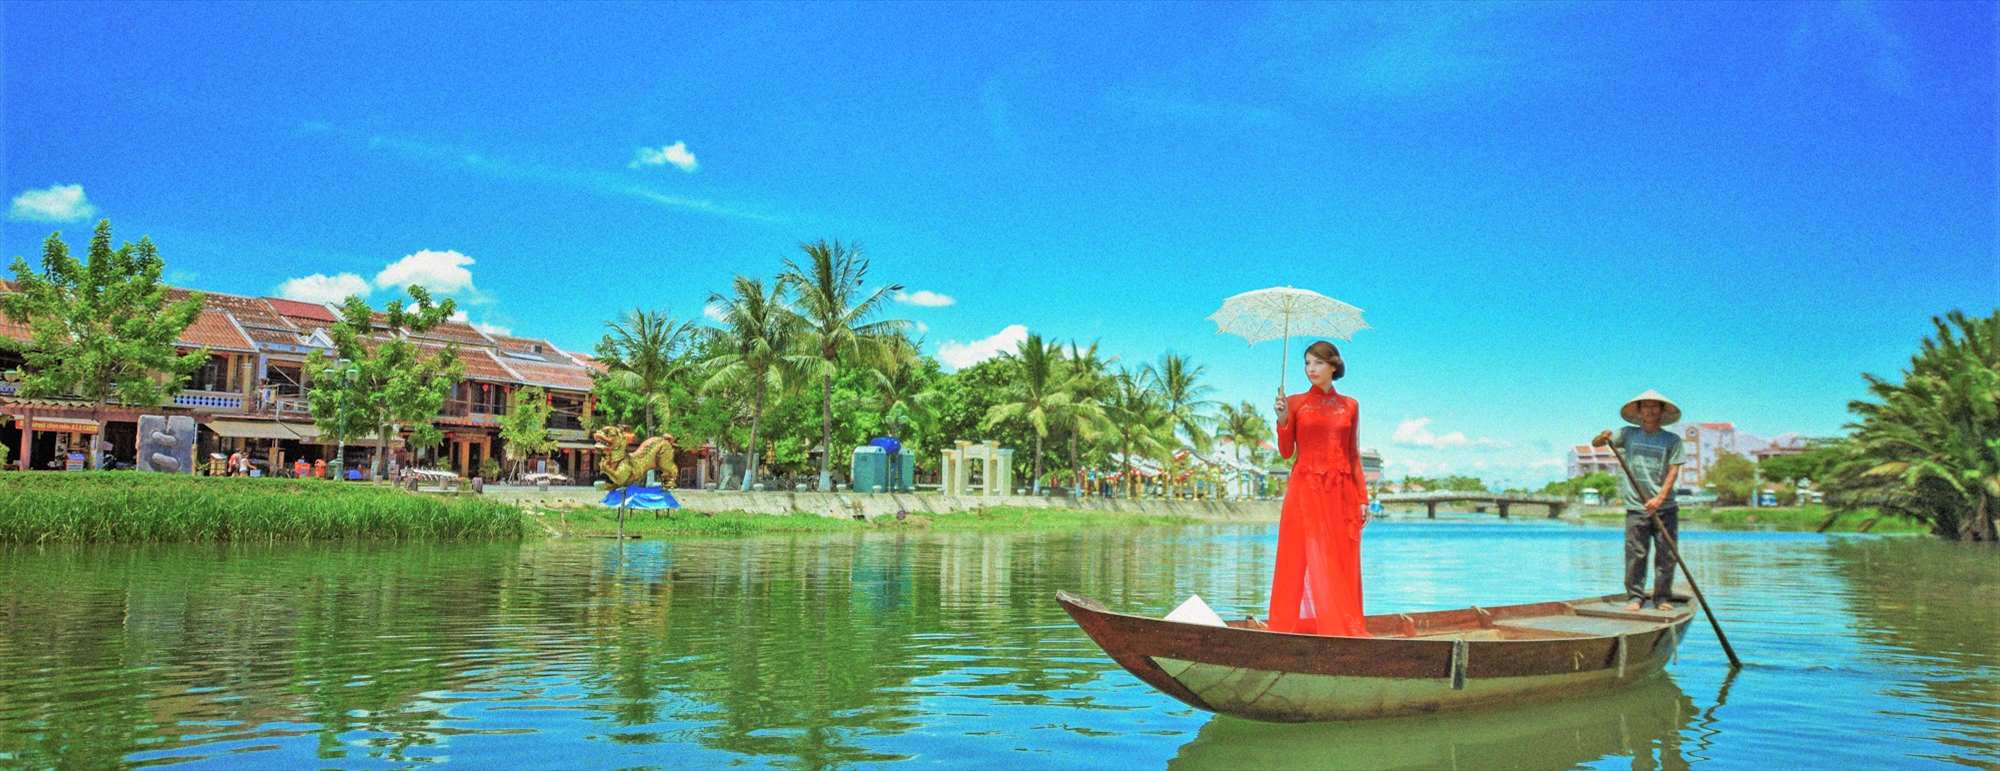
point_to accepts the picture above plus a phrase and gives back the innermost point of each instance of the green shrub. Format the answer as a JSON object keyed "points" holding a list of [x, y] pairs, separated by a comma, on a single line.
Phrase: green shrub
{"points": [[137, 507]]}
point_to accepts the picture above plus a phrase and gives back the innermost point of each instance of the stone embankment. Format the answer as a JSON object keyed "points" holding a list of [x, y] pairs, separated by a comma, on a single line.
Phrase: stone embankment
{"points": [[845, 504]]}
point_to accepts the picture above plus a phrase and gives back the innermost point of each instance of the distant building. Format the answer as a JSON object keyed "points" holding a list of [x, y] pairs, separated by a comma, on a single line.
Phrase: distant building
{"points": [[1371, 467], [1585, 459]]}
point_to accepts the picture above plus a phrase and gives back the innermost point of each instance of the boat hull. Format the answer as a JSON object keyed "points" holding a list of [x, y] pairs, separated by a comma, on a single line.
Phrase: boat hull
{"points": [[1416, 663]]}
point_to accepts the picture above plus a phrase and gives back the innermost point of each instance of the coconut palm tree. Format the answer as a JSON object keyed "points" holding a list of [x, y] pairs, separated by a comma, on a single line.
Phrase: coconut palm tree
{"points": [[1039, 398], [1139, 423], [834, 312], [758, 351], [1928, 449], [645, 350], [903, 396], [1243, 426], [1090, 387], [1178, 382]]}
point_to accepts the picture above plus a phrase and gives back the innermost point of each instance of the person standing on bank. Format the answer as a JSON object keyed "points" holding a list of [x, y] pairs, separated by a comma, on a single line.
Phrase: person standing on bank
{"points": [[1655, 457], [1316, 588]]}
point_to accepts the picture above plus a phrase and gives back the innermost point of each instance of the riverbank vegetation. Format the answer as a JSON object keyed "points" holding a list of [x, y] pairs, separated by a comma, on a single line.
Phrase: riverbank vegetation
{"points": [[598, 522], [1927, 448], [1805, 518], [134, 507]]}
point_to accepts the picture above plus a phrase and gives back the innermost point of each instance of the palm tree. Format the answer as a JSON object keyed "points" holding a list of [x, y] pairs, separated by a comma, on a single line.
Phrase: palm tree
{"points": [[644, 350], [1927, 451], [1039, 397], [1089, 388], [1139, 422], [1178, 383], [1243, 426], [904, 397], [834, 311], [756, 344]]}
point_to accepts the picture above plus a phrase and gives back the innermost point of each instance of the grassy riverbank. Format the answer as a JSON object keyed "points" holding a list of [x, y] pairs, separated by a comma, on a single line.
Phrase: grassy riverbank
{"points": [[1000, 519], [1786, 518], [135, 507]]}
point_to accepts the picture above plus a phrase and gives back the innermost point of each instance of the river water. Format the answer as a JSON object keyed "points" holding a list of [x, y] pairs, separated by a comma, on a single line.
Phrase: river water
{"points": [[938, 650]]}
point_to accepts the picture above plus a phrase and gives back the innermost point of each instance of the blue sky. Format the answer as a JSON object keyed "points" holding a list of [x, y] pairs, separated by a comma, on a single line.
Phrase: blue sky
{"points": [[1544, 208]]}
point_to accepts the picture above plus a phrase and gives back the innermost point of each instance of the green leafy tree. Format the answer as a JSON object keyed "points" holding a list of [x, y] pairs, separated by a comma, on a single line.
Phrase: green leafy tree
{"points": [[1928, 448], [755, 352], [1178, 382], [1140, 425], [396, 381], [525, 427], [1244, 426], [1038, 399], [1604, 482], [834, 312], [102, 329], [646, 350], [1816, 463], [1086, 377], [1734, 478]]}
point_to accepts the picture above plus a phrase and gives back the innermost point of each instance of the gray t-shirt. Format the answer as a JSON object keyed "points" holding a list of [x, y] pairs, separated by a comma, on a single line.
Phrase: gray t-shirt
{"points": [[1649, 455]]}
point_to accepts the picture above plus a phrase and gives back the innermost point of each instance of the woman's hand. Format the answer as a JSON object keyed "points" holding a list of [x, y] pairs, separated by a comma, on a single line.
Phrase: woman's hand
{"points": [[1280, 407]]}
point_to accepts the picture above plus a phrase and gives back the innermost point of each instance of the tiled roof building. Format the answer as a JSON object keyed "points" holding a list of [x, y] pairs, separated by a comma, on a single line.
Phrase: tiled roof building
{"points": [[252, 393]]}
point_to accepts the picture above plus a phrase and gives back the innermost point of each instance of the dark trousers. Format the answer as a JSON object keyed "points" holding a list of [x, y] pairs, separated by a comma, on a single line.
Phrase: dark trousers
{"points": [[1640, 533]]}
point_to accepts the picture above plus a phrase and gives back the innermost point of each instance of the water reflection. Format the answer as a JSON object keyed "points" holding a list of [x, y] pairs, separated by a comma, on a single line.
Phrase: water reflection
{"points": [[1644, 723], [918, 650]]}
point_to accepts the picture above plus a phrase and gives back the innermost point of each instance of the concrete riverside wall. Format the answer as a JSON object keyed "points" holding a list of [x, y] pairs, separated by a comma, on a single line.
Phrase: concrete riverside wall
{"points": [[878, 504]]}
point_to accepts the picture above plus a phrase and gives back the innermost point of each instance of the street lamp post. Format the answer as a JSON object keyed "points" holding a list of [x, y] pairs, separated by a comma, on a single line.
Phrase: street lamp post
{"points": [[343, 372]]}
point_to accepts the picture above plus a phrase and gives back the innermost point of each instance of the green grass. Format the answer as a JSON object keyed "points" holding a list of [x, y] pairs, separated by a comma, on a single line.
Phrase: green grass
{"points": [[602, 521], [138, 507], [1805, 518]]}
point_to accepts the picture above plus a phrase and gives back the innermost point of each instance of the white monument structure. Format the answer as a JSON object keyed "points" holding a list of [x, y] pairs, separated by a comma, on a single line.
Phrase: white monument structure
{"points": [[994, 463]]}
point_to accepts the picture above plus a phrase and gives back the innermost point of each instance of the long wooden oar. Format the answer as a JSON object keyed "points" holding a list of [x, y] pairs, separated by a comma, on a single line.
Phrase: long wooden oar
{"points": [[1674, 549]]}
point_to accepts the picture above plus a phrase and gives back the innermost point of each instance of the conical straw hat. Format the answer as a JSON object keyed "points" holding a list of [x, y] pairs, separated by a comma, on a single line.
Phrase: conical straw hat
{"points": [[1668, 416]]}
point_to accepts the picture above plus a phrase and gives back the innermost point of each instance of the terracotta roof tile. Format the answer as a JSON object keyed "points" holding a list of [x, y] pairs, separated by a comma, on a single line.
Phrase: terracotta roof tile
{"points": [[568, 378], [214, 330], [301, 310], [479, 365]]}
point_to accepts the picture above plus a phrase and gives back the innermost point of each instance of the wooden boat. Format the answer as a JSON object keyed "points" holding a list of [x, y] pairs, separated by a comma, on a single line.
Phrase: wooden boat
{"points": [[1415, 663]]}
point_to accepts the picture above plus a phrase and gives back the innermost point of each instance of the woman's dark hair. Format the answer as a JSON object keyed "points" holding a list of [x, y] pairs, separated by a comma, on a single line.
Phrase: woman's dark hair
{"points": [[1324, 351]]}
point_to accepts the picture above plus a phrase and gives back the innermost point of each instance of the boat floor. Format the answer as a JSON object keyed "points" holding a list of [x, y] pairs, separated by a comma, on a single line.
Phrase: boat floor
{"points": [[1595, 618]]}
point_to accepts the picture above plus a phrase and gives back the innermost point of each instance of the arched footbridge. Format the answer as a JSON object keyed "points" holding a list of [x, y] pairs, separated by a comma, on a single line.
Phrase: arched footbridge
{"points": [[1501, 501]]}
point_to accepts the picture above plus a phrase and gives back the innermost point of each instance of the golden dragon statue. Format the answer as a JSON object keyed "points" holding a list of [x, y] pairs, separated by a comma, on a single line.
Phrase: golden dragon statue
{"points": [[624, 468]]}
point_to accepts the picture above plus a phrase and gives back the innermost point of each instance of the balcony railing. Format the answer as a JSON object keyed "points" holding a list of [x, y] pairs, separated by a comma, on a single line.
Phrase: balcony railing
{"points": [[209, 400]]}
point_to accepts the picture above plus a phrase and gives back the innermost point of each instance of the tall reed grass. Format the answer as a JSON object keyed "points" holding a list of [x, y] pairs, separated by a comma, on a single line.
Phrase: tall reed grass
{"points": [[137, 507]]}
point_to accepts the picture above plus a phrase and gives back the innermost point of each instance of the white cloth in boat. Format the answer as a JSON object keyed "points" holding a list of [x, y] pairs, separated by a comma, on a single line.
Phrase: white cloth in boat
{"points": [[1194, 611]]}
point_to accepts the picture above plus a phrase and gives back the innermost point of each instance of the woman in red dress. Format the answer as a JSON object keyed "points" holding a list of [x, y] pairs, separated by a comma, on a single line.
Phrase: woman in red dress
{"points": [[1317, 586]]}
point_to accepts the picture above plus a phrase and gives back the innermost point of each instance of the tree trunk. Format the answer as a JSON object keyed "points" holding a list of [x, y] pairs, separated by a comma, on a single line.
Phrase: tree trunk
{"points": [[825, 433], [756, 422], [1038, 465], [381, 459], [1075, 469], [92, 460]]}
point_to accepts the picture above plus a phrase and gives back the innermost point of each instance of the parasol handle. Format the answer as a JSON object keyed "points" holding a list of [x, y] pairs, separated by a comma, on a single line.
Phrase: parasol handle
{"points": [[1285, 353]]}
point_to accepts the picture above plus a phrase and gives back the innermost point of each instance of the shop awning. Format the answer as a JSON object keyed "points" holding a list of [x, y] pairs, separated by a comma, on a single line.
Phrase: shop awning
{"points": [[59, 425], [575, 446], [263, 429]]}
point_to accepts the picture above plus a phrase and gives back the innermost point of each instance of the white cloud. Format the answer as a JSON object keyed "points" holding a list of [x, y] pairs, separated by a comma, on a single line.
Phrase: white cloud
{"points": [[55, 203], [922, 327], [322, 288], [926, 298], [675, 155], [715, 313], [1415, 432], [437, 271], [959, 355]]}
